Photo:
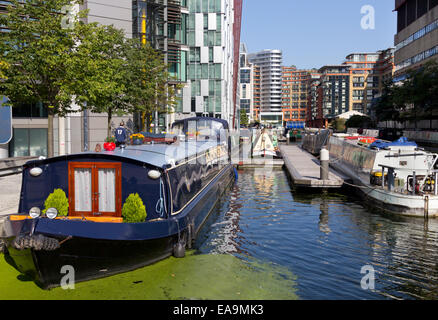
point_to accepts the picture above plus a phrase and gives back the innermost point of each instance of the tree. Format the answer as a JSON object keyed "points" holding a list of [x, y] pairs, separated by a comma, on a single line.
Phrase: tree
{"points": [[148, 78], [420, 90], [38, 50], [414, 98], [243, 117], [338, 124], [3, 67], [99, 73], [358, 121]]}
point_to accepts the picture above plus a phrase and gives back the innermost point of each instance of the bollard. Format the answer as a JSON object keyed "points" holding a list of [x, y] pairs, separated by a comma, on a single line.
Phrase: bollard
{"points": [[324, 170]]}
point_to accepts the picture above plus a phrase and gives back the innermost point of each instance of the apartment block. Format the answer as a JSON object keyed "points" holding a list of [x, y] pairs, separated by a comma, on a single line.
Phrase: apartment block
{"points": [[314, 117], [295, 90], [364, 80], [335, 86], [257, 93], [269, 62]]}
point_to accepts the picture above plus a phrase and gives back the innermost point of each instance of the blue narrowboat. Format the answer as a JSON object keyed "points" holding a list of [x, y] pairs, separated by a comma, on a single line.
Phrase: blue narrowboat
{"points": [[178, 184]]}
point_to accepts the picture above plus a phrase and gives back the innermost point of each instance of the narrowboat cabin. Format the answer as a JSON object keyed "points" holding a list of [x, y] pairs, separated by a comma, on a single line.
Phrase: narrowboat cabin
{"points": [[113, 211], [397, 177]]}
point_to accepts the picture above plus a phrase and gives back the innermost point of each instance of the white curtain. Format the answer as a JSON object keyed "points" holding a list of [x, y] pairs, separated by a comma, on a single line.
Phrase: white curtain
{"points": [[83, 189], [107, 190]]}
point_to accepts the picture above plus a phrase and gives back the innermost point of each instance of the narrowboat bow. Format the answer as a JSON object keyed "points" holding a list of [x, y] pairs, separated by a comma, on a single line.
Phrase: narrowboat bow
{"points": [[178, 184]]}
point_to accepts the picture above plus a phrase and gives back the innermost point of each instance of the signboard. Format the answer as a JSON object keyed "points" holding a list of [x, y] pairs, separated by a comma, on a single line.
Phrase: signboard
{"points": [[5, 122], [295, 125]]}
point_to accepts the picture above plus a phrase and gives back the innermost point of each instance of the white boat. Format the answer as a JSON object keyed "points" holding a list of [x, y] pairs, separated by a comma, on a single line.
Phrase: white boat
{"points": [[398, 178], [264, 146]]}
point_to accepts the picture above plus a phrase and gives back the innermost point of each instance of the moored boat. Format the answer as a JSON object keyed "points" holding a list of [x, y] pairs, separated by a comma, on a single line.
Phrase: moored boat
{"points": [[396, 177], [98, 234]]}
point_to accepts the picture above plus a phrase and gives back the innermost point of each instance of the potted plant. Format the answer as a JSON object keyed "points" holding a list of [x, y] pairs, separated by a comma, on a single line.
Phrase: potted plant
{"points": [[137, 138], [58, 200], [110, 144], [134, 210]]}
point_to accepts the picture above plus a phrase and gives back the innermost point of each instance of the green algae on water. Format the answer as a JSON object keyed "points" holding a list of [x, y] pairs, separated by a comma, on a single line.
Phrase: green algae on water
{"points": [[212, 276]]}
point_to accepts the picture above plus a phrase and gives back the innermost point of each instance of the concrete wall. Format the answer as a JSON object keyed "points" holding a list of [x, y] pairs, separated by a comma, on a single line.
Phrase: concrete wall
{"points": [[111, 12]]}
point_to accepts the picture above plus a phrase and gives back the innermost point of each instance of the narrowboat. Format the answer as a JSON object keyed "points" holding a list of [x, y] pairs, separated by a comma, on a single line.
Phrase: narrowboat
{"points": [[395, 177], [178, 184]]}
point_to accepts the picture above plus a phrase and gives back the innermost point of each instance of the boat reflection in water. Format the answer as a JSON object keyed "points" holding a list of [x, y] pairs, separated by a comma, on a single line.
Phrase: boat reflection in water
{"points": [[179, 185]]}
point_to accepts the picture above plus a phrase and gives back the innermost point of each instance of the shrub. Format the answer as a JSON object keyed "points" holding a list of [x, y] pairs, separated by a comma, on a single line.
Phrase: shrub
{"points": [[57, 200], [110, 139], [133, 210]]}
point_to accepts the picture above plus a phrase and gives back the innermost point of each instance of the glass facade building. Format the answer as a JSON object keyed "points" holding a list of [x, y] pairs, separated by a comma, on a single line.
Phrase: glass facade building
{"points": [[210, 61]]}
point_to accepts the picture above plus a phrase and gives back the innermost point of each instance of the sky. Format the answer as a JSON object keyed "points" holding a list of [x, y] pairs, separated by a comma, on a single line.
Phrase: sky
{"points": [[314, 33]]}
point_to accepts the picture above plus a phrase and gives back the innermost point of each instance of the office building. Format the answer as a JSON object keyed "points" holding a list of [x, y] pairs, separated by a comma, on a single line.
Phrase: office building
{"points": [[197, 39], [416, 41], [213, 40], [246, 81]]}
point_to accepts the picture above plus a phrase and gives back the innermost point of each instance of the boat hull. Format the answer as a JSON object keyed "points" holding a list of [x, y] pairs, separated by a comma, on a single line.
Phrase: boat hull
{"points": [[82, 259], [391, 202], [107, 253]]}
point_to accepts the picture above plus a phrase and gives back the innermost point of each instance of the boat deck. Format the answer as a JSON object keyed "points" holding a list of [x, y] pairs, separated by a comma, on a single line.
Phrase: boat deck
{"points": [[304, 169]]}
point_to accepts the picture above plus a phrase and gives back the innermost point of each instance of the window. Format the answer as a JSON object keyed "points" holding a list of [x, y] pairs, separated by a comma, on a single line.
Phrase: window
{"points": [[411, 12], [28, 142], [421, 7], [95, 189], [32, 110]]}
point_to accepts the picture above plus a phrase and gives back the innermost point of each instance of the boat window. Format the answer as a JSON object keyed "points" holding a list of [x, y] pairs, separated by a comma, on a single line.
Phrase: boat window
{"points": [[191, 129], [82, 177], [178, 129], [107, 190], [206, 131], [95, 189]]}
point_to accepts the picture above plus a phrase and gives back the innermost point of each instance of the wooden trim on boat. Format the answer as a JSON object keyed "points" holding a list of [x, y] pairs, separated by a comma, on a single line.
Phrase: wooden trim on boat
{"points": [[18, 217], [95, 166]]}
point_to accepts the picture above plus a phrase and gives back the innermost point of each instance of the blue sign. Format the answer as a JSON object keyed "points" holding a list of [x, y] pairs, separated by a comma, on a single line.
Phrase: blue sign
{"points": [[295, 125], [5, 122]]}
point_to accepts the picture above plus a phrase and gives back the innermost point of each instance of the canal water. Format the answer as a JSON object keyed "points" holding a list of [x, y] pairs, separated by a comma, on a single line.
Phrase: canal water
{"points": [[267, 241]]}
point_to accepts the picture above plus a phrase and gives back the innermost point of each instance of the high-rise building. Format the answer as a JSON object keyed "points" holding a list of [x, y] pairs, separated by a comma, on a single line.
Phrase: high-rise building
{"points": [[257, 83], [416, 41], [213, 32], [295, 90], [246, 81], [269, 62]]}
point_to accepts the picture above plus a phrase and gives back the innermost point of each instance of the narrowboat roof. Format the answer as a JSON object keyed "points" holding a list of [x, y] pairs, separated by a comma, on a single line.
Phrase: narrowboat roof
{"points": [[224, 122], [157, 155]]}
